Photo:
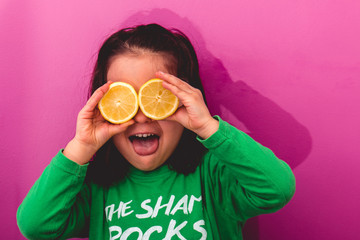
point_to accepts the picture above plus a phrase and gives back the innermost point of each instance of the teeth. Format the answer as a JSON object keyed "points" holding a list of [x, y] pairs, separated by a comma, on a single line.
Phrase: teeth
{"points": [[144, 135]]}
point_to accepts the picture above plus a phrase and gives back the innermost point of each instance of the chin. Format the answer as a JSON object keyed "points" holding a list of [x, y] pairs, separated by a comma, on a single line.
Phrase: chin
{"points": [[146, 165], [146, 168]]}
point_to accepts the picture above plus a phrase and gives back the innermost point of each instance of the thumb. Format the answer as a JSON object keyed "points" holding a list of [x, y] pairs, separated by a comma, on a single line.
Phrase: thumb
{"points": [[180, 116], [119, 128]]}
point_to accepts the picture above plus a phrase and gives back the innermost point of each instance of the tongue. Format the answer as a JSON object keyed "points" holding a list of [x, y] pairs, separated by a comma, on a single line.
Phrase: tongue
{"points": [[146, 146]]}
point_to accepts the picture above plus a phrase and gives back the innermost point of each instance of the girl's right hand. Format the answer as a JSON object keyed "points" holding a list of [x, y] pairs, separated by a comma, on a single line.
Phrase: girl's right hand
{"points": [[92, 130]]}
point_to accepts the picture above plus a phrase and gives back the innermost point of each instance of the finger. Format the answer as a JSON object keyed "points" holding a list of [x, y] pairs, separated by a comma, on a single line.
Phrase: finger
{"points": [[168, 78], [96, 97], [175, 90], [184, 96]]}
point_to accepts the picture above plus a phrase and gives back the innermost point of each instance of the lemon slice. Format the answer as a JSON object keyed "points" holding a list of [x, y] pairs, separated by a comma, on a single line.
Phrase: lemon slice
{"points": [[120, 103], [155, 101]]}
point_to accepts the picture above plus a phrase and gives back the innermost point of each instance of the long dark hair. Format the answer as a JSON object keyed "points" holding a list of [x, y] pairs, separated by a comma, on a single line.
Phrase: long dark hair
{"points": [[108, 165]]}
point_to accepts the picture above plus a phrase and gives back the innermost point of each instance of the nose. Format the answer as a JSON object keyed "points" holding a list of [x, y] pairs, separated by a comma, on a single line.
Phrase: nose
{"points": [[141, 118]]}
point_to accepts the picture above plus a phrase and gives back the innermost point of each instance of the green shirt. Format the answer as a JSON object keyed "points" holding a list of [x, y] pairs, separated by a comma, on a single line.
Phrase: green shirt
{"points": [[237, 179]]}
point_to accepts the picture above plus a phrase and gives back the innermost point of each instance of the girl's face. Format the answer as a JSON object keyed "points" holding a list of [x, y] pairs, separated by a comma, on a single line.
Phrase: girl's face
{"points": [[148, 143]]}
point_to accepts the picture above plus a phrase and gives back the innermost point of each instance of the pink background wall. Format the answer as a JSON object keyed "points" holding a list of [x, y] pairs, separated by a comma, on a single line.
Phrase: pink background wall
{"points": [[289, 74]]}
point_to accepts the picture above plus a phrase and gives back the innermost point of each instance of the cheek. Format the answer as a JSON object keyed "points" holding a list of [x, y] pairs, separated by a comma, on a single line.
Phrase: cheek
{"points": [[120, 142], [173, 132]]}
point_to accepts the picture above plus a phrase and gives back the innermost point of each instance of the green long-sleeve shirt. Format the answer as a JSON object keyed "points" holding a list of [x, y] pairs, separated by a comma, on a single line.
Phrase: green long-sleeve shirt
{"points": [[236, 180]]}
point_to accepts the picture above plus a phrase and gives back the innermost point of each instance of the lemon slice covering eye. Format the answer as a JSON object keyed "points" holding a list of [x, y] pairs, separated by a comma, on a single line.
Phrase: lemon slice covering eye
{"points": [[120, 103], [155, 101]]}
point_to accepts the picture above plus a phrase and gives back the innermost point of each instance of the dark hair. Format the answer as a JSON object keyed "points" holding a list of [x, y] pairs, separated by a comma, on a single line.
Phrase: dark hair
{"points": [[108, 165]]}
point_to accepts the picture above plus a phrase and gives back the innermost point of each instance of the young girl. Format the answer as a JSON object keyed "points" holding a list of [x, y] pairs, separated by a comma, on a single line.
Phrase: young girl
{"points": [[190, 176]]}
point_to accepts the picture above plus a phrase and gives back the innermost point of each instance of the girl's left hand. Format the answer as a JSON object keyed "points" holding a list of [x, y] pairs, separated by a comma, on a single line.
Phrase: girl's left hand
{"points": [[193, 113]]}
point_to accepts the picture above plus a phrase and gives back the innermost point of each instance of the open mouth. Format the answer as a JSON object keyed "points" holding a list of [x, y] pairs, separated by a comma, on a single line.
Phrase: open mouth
{"points": [[145, 143]]}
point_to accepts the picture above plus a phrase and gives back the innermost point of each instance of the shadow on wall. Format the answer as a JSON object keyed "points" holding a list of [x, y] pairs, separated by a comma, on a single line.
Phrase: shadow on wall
{"points": [[264, 120]]}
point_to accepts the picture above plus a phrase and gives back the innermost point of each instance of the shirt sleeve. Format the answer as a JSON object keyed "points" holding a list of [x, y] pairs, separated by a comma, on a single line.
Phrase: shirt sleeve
{"points": [[57, 205], [245, 178]]}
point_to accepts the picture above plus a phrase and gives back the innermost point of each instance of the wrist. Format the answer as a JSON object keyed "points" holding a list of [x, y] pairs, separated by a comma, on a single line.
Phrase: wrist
{"points": [[209, 129], [79, 152]]}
